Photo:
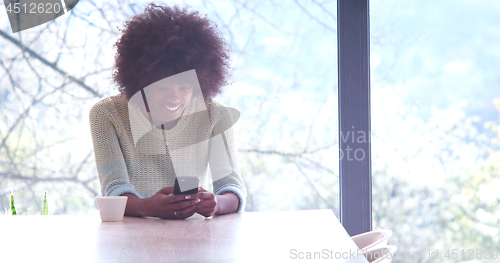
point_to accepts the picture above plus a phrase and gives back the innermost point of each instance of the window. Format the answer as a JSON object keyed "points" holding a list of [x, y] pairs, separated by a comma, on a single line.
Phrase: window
{"points": [[435, 120], [284, 56]]}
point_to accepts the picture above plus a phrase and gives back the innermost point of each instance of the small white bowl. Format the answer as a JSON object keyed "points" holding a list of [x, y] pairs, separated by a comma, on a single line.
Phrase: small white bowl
{"points": [[111, 208], [380, 255], [373, 239]]}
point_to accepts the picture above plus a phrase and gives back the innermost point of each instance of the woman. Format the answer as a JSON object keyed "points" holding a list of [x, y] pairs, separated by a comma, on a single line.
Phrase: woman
{"points": [[169, 65]]}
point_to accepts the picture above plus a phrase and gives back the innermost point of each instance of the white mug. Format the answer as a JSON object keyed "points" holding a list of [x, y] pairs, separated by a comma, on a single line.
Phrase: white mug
{"points": [[111, 208]]}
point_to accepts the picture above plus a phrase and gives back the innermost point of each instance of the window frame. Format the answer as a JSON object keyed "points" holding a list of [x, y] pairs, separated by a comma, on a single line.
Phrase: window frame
{"points": [[353, 47]]}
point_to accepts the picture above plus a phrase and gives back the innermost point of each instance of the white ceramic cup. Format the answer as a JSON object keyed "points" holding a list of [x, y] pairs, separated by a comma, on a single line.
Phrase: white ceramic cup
{"points": [[111, 208]]}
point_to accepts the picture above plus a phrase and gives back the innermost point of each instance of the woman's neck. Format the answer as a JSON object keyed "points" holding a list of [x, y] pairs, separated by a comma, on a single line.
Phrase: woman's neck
{"points": [[169, 125]]}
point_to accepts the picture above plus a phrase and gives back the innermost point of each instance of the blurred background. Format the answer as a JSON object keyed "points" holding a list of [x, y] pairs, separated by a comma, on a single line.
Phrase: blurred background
{"points": [[435, 111]]}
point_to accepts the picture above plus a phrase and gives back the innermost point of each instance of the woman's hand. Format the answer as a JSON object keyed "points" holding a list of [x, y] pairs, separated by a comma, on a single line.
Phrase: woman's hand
{"points": [[208, 206], [163, 205], [211, 204]]}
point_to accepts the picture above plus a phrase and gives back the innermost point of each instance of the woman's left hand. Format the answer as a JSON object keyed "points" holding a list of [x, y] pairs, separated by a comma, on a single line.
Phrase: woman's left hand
{"points": [[208, 205]]}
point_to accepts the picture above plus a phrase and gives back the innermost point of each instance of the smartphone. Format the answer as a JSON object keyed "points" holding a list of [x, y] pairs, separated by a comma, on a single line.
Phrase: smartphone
{"points": [[186, 185]]}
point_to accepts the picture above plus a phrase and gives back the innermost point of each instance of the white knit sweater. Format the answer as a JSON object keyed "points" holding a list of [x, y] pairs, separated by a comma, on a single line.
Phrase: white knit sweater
{"points": [[131, 156]]}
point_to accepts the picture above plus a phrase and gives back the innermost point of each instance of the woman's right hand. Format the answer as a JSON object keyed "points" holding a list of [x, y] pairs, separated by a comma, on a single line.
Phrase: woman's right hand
{"points": [[164, 204]]}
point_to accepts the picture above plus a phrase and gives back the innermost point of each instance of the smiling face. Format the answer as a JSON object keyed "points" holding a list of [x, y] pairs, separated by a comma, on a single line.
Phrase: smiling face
{"points": [[167, 101]]}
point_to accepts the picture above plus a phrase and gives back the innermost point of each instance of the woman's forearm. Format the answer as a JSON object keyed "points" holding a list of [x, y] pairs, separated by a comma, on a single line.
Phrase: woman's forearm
{"points": [[228, 203], [135, 206]]}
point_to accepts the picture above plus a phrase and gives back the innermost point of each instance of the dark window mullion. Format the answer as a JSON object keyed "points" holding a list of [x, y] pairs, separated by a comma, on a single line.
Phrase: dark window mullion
{"points": [[353, 35]]}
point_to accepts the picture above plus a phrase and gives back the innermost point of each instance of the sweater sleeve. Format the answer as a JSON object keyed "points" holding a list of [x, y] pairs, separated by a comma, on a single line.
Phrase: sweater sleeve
{"points": [[110, 162], [223, 157]]}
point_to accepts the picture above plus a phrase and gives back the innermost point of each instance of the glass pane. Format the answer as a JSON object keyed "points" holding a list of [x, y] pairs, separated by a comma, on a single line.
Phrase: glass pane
{"points": [[435, 119], [285, 87], [284, 84]]}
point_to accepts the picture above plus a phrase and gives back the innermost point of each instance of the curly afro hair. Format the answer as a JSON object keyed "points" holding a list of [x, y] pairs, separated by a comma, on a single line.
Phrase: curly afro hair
{"points": [[164, 41]]}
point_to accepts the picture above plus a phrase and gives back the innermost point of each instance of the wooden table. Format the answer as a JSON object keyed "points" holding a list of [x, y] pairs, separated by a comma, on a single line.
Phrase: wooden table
{"points": [[245, 237]]}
